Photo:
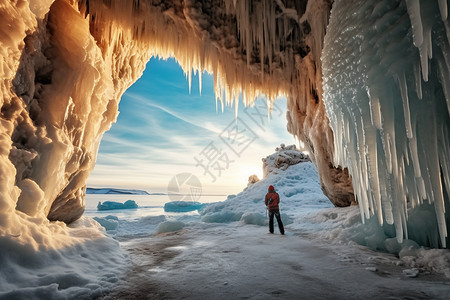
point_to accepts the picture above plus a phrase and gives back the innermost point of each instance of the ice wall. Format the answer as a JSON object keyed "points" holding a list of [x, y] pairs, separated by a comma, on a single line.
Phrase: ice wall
{"points": [[386, 69], [59, 94], [306, 114]]}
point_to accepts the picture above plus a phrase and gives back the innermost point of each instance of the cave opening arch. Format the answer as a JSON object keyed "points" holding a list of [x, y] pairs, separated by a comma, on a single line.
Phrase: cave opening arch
{"points": [[162, 128], [114, 48]]}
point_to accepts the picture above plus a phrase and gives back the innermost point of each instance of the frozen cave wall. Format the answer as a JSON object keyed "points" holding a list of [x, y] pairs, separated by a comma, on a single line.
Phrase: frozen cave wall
{"points": [[66, 63], [386, 70]]}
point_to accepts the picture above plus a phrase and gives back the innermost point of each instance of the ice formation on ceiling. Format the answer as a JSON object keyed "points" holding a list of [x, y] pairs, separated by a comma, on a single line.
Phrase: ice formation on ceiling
{"points": [[386, 88]]}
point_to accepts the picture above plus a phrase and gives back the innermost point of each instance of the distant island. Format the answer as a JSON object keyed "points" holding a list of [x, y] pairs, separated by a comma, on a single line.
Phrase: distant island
{"points": [[115, 191]]}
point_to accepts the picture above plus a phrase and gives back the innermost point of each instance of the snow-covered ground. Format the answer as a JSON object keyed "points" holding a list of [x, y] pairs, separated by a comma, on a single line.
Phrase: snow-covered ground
{"points": [[224, 250]]}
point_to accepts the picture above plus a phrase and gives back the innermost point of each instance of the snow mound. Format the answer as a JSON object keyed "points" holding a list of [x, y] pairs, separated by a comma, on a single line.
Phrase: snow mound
{"points": [[343, 226], [110, 205], [222, 217], [182, 206], [255, 219], [284, 157], [86, 269], [108, 222], [299, 190], [170, 226]]}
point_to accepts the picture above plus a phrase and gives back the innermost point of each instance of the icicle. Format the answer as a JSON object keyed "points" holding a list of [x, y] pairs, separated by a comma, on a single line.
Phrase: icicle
{"points": [[418, 79], [445, 77], [189, 77], [443, 9], [375, 112], [404, 93], [385, 192], [200, 82], [236, 104], [413, 7]]}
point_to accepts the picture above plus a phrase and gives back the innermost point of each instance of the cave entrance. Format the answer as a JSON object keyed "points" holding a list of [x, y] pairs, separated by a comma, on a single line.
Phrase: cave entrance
{"points": [[167, 128]]}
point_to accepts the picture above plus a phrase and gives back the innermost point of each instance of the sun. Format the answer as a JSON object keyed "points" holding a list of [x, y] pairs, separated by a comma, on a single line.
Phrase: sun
{"points": [[246, 170]]}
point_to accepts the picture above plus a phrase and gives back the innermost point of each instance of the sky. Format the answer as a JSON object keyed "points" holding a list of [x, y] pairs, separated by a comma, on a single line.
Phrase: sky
{"points": [[163, 131]]}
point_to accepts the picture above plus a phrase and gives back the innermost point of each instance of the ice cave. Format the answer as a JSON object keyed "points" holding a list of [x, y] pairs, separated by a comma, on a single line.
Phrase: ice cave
{"points": [[367, 83]]}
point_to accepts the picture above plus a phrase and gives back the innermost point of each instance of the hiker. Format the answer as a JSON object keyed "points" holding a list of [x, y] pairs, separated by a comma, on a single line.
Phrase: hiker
{"points": [[272, 200]]}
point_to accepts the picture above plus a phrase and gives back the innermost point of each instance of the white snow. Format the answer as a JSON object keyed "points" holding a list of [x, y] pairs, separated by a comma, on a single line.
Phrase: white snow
{"points": [[169, 226], [226, 251], [87, 267]]}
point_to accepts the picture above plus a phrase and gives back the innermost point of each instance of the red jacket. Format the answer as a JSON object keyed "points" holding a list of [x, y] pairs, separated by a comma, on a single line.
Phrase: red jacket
{"points": [[272, 201]]}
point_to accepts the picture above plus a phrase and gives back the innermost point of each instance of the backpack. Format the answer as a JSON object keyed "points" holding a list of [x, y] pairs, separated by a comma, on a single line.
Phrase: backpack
{"points": [[271, 203]]}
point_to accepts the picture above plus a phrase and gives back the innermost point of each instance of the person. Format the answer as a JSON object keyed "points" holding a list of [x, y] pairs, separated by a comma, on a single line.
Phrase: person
{"points": [[272, 202]]}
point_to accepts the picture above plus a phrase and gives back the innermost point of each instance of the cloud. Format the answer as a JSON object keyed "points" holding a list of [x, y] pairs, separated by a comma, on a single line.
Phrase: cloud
{"points": [[161, 129], [146, 103]]}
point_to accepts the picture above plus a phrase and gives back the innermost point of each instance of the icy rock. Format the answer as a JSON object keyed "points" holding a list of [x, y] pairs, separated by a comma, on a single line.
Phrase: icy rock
{"points": [[225, 216], [252, 179], [372, 269], [411, 272], [284, 157], [255, 219], [152, 220], [108, 222], [170, 226], [409, 248], [109, 205], [392, 246], [182, 206]]}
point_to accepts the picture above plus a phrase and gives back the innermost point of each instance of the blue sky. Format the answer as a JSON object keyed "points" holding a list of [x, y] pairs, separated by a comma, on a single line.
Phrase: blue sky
{"points": [[163, 130]]}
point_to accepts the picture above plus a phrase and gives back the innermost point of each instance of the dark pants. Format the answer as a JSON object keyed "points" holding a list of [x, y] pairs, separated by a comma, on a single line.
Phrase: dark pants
{"points": [[280, 224]]}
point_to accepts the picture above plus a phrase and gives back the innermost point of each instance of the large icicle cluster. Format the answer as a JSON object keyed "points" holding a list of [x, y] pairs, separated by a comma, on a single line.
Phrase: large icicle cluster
{"points": [[258, 38], [386, 86]]}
